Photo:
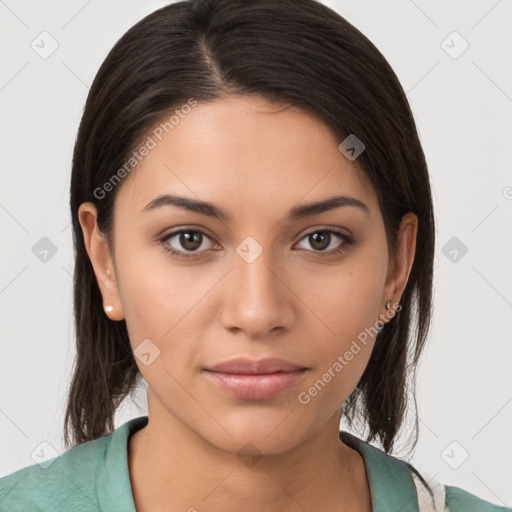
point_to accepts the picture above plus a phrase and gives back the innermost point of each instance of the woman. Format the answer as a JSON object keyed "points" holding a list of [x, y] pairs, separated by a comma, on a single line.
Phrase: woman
{"points": [[254, 238]]}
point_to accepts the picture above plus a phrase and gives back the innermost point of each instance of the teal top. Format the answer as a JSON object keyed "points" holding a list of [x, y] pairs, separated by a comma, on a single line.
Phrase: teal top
{"points": [[94, 476]]}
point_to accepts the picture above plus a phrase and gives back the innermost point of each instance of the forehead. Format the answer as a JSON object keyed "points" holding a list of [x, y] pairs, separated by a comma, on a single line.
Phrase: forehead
{"points": [[243, 152]]}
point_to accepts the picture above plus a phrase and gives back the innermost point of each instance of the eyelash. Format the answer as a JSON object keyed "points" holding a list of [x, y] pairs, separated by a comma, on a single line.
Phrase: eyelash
{"points": [[180, 254]]}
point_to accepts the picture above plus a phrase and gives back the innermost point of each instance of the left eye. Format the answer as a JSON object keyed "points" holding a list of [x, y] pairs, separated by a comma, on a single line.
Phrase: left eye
{"points": [[321, 239]]}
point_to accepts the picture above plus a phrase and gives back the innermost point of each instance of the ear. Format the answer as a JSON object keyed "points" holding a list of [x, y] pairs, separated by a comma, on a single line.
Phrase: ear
{"points": [[99, 254], [400, 268]]}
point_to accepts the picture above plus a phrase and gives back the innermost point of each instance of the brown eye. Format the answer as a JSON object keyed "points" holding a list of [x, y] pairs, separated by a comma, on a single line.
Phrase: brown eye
{"points": [[322, 239], [190, 240], [186, 241]]}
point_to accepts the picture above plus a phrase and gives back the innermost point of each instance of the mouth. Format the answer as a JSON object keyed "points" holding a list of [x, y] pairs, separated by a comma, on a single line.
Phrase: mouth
{"points": [[247, 366], [256, 386]]}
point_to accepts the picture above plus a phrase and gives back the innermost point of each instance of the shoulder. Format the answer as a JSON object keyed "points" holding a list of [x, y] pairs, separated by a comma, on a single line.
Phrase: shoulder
{"points": [[444, 498], [67, 480], [396, 483], [459, 500]]}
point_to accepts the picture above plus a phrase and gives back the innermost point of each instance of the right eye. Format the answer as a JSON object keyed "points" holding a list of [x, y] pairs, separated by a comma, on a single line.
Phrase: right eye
{"points": [[191, 240]]}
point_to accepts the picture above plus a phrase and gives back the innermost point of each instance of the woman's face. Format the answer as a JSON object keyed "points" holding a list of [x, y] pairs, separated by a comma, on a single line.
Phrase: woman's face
{"points": [[259, 282]]}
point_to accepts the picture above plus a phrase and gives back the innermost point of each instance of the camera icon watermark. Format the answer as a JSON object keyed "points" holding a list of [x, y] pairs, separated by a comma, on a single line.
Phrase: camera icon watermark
{"points": [[454, 249], [454, 455], [351, 147], [454, 45], [44, 250], [249, 249], [146, 352], [44, 454], [45, 45], [249, 455]]}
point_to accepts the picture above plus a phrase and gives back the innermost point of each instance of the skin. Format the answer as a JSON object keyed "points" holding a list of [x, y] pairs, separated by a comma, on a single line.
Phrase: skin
{"points": [[294, 301]]}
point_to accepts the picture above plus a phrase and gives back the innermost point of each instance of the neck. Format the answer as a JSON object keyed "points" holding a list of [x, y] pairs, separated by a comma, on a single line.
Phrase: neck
{"points": [[171, 468]]}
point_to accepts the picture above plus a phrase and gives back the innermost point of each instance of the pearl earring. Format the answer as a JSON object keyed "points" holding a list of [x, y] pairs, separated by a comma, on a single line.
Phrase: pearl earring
{"points": [[109, 309], [388, 307]]}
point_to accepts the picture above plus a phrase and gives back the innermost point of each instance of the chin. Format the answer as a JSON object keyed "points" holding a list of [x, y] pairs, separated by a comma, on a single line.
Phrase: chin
{"points": [[248, 439]]}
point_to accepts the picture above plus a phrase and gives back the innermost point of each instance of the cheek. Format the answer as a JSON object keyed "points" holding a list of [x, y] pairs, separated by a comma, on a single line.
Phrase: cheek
{"points": [[344, 300], [344, 342], [346, 306], [164, 302]]}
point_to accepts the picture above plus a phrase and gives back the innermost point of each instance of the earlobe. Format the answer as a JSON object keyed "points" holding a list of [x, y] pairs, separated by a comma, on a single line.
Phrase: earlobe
{"points": [[99, 254]]}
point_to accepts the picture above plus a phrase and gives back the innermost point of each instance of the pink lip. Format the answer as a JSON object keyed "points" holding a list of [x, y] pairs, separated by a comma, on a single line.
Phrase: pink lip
{"points": [[244, 365], [251, 379], [256, 386]]}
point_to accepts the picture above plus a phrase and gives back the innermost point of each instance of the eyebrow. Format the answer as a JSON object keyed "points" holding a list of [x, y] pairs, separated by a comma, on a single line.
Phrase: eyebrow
{"points": [[297, 212]]}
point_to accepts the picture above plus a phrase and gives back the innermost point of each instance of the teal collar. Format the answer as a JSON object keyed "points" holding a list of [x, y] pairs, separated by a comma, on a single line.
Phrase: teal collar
{"points": [[114, 472], [391, 485]]}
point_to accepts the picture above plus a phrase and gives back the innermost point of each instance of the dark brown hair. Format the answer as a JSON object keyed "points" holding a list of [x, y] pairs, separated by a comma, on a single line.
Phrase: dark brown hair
{"points": [[296, 52]]}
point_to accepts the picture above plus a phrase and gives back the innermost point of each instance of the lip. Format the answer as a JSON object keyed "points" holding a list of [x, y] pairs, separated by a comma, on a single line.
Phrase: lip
{"points": [[255, 386], [246, 366], [250, 379]]}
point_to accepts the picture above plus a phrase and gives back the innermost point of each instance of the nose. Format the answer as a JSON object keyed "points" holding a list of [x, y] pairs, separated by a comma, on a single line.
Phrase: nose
{"points": [[257, 298]]}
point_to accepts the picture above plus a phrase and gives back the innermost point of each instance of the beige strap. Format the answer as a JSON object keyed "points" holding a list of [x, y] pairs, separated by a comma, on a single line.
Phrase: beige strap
{"points": [[425, 501]]}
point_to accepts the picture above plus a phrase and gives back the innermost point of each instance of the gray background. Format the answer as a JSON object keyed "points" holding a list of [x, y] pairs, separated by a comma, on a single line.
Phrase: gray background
{"points": [[463, 109]]}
